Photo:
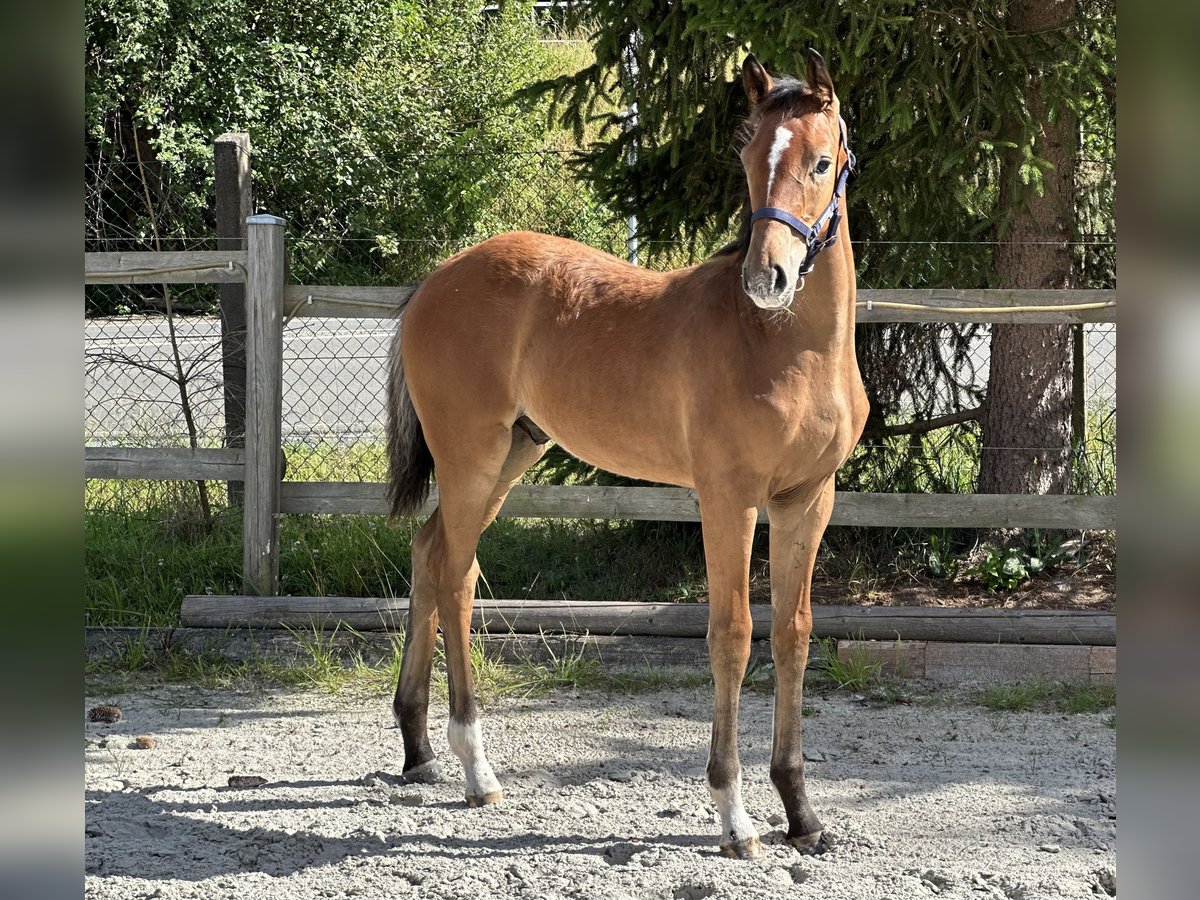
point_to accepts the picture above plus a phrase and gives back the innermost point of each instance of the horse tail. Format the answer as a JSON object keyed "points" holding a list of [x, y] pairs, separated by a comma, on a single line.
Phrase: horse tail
{"points": [[409, 461]]}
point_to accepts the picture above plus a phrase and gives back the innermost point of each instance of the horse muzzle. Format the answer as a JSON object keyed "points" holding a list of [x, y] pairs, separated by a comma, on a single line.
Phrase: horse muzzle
{"points": [[771, 286]]}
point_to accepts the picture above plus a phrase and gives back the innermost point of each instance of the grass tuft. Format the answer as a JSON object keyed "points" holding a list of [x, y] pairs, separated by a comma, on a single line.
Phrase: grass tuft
{"points": [[1044, 695], [852, 672]]}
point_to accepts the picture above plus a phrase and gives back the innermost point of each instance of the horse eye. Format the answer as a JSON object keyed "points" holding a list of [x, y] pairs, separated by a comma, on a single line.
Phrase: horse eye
{"points": [[823, 167]]}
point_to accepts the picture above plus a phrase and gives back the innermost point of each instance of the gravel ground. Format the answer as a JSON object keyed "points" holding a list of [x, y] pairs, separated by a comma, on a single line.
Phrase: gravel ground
{"points": [[604, 799]]}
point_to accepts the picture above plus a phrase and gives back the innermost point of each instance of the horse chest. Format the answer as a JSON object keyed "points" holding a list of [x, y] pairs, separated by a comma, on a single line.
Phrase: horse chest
{"points": [[811, 423]]}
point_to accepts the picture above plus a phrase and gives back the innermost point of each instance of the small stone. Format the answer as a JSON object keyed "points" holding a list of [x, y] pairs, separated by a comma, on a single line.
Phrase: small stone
{"points": [[775, 819], [106, 713], [246, 781], [374, 779], [780, 876], [799, 873], [669, 813], [621, 854], [814, 756], [935, 881], [1049, 848], [693, 892], [406, 798]]}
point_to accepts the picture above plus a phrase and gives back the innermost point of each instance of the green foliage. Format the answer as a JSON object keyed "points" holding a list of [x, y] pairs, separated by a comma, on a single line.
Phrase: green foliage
{"points": [[1007, 568], [144, 553], [1001, 570], [852, 672], [385, 121], [939, 560], [934, 96]]}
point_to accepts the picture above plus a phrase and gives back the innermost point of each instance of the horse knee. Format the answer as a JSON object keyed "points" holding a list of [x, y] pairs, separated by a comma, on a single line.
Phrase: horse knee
{"points": [[733, 632], [789, 637], [729, 650], [787, 773]]}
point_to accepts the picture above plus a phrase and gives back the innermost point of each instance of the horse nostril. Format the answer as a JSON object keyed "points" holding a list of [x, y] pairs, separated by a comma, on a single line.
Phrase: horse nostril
{"points": [[778, 279]]}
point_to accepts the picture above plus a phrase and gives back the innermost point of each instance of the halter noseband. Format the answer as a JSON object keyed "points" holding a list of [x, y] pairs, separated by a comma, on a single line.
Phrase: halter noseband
{"points": [[832, 215]]}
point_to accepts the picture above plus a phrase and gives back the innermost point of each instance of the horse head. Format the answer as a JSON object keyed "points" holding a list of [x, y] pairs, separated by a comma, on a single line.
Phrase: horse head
{"points": [[796, 163]]}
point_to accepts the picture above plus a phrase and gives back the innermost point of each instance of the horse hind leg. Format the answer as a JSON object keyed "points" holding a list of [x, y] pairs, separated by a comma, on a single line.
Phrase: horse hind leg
{"points": [[411, 702], [444, 574]]}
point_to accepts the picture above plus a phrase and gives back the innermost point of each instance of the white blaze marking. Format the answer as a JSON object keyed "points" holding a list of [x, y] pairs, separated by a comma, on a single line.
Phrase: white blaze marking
{"points": [[783, 137], [467, 743]]}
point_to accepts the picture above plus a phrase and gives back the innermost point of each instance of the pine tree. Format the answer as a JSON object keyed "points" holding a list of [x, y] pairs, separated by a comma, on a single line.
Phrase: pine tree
{"points": [[954, 160]]}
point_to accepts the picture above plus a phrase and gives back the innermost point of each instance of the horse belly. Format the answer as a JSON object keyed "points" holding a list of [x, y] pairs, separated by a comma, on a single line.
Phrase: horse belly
{"points": [[628, 462], [604, 409]]}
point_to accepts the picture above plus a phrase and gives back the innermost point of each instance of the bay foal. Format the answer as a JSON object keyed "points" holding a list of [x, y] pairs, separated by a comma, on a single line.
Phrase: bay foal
{"points": [[736, 377]]}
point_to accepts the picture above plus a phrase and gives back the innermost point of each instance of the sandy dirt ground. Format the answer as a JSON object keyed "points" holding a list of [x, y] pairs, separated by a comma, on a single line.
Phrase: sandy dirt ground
{"points": [[604, 799]]}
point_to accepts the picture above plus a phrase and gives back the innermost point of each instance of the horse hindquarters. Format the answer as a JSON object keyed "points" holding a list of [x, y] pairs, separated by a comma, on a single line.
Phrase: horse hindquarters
{"points": [[465, 415]]}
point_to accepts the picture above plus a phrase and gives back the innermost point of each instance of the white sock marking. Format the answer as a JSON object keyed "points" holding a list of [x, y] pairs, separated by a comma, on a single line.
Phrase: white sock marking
{"points": [[783, 137], [467, 743], [735, 823]]}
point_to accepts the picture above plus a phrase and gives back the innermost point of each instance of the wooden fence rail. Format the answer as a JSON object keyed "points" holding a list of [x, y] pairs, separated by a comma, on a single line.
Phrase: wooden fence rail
{"points": [[187, 267], [660, 504], [270, 303]]}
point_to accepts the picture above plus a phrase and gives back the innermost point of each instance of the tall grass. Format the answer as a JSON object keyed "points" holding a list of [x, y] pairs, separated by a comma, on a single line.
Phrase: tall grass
{"points": [[142, 556]]}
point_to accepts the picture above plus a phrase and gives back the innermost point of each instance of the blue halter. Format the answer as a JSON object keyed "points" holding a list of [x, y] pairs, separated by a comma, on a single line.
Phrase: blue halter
{"points": [[831, 217]]}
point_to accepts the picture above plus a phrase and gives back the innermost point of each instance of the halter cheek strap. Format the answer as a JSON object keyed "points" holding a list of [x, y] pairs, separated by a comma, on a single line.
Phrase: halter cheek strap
{"points": [[828, 221]]}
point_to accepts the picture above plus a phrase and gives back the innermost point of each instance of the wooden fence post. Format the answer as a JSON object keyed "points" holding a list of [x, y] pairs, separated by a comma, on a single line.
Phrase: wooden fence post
{"points": [[234, 203], [265, 279]]}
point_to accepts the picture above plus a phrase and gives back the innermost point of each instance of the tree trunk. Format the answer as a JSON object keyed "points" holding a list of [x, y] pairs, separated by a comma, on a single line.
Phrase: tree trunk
{"points": [[1026, 423]]}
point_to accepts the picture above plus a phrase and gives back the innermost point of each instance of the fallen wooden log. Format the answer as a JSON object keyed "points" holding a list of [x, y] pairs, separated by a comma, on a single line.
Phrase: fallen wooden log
{"points": [[881, 623]]}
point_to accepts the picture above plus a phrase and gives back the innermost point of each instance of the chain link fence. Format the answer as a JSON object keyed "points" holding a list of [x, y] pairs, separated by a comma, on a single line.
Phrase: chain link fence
{"points": [[153, 353]]}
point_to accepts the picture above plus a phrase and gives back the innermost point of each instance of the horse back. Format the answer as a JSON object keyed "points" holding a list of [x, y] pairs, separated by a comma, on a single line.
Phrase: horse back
{"points": [[592, 349]]}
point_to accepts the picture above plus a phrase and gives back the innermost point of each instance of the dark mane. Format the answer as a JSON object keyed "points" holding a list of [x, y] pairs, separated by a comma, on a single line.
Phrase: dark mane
{"points": [[787, 95]]}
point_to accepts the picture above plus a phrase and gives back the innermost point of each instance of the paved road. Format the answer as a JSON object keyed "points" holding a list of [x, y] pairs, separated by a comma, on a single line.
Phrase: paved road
{"points": [[333, 378]]}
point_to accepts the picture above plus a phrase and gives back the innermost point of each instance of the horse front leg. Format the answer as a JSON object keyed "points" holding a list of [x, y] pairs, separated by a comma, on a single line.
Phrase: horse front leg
{"points": [[797, 523], [728, 533]]}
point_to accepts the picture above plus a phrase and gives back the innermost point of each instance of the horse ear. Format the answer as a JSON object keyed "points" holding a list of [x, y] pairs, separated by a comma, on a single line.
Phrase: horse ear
{"points": [[755, 80], [817, 76]]}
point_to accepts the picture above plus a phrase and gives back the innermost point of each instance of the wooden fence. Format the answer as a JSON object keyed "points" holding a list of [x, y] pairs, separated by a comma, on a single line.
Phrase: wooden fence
{"points": [[269, 300]]}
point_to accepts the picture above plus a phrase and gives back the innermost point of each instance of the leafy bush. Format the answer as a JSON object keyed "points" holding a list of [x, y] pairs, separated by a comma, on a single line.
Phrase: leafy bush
{"points": [[1005, 569], [385, 121]]}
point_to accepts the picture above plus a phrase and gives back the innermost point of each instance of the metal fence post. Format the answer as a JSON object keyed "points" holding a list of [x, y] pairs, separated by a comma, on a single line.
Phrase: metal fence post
{"points": [[265, 278]]}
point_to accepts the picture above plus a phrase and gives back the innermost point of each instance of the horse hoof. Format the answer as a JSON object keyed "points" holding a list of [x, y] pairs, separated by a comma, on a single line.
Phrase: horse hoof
{"points": [[813, 844], [475, 800], [426, 773], [749, 848]]}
